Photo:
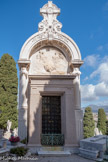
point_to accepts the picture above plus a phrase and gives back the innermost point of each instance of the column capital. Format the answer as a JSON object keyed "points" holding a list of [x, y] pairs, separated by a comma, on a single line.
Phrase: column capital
{"points": [[23, 63]]}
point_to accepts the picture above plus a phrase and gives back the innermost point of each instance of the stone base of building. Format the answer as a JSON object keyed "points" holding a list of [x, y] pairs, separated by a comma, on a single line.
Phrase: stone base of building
{"points": [[54, 150]]}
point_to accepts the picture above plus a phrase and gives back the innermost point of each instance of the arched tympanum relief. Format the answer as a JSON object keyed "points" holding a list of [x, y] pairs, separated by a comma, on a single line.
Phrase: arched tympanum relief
{"points": [[48, 60]]}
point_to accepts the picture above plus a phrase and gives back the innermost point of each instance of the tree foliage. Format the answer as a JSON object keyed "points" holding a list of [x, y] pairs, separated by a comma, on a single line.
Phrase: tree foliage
{"points": [[88, 123], [107, 127], [8, 91], [101, 121]]}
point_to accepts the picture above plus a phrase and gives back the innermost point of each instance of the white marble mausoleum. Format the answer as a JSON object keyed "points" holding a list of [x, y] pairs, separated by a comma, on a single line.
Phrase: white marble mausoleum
{"points": [[49, 88]]}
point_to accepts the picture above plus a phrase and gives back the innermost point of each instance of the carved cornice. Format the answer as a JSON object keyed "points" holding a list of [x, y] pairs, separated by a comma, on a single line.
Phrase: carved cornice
{"points": [[50, 77], [77, 63]]}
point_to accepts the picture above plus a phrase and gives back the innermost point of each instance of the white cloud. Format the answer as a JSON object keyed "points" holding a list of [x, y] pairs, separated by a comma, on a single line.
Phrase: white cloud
{"points": [[106, 6], [103, 47], [88, 92], [102, 71], [91, 60], [95, 60], [100, 48], [86, 78], [101, 89], [105, 59], [96, 93]]}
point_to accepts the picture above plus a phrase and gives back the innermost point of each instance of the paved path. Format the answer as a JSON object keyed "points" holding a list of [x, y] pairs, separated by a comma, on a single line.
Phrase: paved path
{"points": [[73, 158]]}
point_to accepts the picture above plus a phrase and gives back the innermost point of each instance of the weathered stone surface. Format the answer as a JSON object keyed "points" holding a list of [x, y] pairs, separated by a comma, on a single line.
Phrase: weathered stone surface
{"points": [[49, 61], [54, 153], [1, 133], [7, 135], [93, 147], [49, 64], [89, 153]]}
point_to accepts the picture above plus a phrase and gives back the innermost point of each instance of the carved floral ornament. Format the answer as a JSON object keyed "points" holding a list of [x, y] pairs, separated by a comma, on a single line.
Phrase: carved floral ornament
{"points": [[49, 33], [49, 23]]}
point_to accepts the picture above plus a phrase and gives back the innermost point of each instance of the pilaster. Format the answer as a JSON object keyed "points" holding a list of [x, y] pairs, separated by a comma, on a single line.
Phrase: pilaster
{"points": [[23, 99]]}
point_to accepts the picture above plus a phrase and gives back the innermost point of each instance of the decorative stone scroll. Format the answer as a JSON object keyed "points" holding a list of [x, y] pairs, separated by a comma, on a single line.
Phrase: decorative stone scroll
{"points": [[50, 24]]}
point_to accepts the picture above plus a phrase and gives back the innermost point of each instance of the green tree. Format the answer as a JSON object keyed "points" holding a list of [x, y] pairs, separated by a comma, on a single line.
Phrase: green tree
{"points": [[8, 91], [88, 123], [101, 121], [107, 127]]}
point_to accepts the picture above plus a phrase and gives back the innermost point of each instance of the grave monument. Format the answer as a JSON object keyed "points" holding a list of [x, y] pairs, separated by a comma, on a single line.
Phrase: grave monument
{"points": [[49, 87]]}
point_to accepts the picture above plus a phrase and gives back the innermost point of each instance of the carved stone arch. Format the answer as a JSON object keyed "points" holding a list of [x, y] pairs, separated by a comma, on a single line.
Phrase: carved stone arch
{"points": [[57, 50], [61, 41], [55, 43]]}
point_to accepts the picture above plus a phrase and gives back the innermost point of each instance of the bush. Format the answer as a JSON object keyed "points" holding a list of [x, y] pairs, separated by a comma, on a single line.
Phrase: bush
{"points": [[19, 151], [24, 141]]}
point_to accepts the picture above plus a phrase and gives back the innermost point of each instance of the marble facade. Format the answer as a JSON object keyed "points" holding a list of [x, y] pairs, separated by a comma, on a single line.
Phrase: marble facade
{"points": [[49, 64]]}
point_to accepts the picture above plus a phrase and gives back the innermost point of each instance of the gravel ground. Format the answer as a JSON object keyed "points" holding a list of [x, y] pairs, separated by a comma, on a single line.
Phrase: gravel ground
{"points": [[73, 158]]}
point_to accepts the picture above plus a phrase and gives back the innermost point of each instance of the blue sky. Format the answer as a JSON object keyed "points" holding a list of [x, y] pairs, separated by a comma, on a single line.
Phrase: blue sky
{"points": [[85, 21]]}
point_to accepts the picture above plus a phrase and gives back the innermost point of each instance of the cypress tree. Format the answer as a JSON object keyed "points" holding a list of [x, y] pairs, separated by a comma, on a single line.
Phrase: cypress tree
{"points": [[101, 121], [8, 91], [88, 123], [107, 127]]}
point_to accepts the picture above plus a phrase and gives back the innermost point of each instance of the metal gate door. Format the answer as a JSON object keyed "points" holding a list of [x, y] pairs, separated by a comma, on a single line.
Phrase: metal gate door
{"points": [[51, 121]]}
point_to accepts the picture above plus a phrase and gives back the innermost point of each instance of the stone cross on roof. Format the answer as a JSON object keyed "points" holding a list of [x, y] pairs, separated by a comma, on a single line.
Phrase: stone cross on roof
{"points": [[50, 12], [49, 23], [49, 9]]}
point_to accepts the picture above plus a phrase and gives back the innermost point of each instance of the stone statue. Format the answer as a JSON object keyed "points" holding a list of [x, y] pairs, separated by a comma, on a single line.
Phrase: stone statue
{"points": [[15, 132], [9, 124], [101, 133], [96, 131]]}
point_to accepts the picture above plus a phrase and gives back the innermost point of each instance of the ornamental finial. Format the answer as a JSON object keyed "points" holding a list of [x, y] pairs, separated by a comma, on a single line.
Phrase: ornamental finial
{"points": [[50, 23]]}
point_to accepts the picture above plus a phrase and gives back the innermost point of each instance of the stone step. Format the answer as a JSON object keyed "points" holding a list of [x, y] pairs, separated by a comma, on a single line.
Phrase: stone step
{"points": [[4, 150], [90, 154], [54, 148], [54, 153]]}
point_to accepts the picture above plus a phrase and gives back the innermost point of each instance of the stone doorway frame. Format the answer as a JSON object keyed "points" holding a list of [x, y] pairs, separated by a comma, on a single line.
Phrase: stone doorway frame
{"points": [[51, 85]]}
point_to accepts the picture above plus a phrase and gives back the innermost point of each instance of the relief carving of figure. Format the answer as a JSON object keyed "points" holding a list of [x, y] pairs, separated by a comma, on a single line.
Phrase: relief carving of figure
{"points": [[48, 60]]}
